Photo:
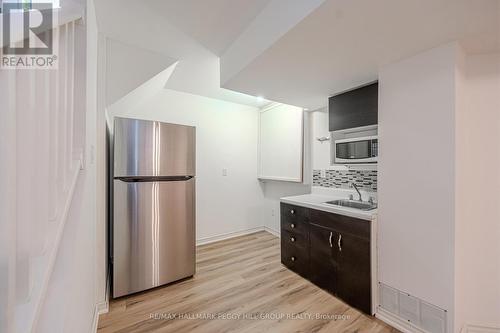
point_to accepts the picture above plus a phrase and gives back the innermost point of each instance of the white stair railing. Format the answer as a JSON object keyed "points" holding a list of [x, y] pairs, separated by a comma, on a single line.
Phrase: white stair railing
{"points": [[40, 165]]}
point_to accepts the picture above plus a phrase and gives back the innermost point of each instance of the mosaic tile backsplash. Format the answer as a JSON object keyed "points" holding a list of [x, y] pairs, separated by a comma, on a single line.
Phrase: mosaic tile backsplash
{"points": [[366, 179]]}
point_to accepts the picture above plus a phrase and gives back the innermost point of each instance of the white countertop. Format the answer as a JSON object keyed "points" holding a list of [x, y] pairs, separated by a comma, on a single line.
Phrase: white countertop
{"points": [[318, 197]]}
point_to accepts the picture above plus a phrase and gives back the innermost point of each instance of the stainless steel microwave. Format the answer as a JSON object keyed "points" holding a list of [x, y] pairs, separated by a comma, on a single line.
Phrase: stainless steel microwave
{"points": [[356, 150]]}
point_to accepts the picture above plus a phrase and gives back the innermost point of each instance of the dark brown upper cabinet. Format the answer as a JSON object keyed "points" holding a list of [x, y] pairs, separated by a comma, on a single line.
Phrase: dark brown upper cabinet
{"points": [[354, 108]]}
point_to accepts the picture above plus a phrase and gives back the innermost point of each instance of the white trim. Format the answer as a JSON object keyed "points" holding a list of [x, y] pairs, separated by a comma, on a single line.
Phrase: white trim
{"points": [[367, 160], [356, 129], [103, 307], [374, 264], [95, 319], [396, 322], [272, 231], [216, 238], [270, 106], [361, 138], [100, 308], [282, 179], [480, 328]]}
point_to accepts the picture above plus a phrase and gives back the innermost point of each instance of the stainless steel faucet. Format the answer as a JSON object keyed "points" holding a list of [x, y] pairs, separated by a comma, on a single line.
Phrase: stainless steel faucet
{"points": [[357, 190]]}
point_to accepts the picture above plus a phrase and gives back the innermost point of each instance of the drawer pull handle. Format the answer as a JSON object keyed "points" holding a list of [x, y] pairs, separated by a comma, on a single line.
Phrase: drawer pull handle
{"points": [[339, 243], [292, 211], [330, 239], [292, 258], [292, 225], [292, 239]]}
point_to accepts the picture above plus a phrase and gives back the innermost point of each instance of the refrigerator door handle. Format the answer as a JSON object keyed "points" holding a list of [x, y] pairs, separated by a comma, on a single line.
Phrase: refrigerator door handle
{"points": [[137, 179]]}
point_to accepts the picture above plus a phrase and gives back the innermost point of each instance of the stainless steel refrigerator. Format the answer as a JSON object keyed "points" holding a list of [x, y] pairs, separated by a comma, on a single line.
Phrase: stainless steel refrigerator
{"points": [[153, 204]]}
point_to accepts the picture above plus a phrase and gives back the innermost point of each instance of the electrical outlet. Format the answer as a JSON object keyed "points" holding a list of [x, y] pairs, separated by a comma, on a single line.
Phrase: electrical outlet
{"points": [[272, 212], [224, 172]]}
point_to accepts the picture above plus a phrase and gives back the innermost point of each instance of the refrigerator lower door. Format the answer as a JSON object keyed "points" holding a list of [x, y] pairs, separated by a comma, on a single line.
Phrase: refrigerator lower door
{"points": [[153, 233]]}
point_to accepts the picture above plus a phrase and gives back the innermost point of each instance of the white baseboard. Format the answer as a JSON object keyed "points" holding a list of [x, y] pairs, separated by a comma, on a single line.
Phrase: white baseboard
{"points": [[477, 328], [100, 308], [95, 320], [103, 307], [272, 231], [396, 322], [212, 239]]}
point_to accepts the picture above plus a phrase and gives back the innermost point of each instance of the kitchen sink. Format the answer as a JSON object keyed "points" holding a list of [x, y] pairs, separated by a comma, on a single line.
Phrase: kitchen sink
{"points": [[362, 205]]}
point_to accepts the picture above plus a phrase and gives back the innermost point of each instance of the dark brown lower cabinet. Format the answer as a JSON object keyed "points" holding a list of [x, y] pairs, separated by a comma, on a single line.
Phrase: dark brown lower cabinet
{"points": [[323, 258], [332, 251], [354, 273]]}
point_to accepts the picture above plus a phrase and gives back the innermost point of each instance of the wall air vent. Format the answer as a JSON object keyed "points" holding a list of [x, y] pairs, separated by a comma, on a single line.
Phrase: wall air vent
{"points": [[411, 310]]}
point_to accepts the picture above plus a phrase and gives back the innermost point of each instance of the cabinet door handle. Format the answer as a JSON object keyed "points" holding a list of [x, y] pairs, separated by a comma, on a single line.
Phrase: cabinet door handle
{"points": [[292, 225], [292, 211], [330, 239], [339, 243], [292, 258], [292, 239]]}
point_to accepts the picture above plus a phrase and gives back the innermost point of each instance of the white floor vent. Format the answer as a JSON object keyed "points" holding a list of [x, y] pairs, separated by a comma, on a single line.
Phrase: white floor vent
{"points": [[414, 311]]}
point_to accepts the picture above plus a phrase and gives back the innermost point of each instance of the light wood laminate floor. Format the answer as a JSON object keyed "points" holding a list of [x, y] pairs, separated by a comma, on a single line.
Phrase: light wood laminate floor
{"points": [[242, 279]]}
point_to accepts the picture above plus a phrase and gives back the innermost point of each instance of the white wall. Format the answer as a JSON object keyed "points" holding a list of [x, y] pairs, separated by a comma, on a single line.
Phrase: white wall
{"points": [[478, 183], [273, 191], [416, 175], [226, 138], [320, 150]]}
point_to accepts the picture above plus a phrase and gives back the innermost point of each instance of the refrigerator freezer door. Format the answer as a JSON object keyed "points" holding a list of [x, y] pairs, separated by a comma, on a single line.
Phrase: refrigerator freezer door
{"points": [[151, 148], [153, 234]]}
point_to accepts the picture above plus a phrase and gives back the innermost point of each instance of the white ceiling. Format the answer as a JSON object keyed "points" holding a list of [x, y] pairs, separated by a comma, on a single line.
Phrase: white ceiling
{"points": [[301, 51], [343, 43], [124, 73], [142, 25], [215, 24]]}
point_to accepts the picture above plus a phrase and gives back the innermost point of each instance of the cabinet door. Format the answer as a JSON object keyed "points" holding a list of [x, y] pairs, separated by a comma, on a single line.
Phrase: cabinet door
{"points": [[322, 257], [355, 108], [281, 142], [353, 273]]}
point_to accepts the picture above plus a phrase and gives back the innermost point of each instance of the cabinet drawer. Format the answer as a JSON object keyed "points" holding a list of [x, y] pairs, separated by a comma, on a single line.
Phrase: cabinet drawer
{"points": [[294, 219], [342, 224], [294, 212], [290, 238], [295, 258]]}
